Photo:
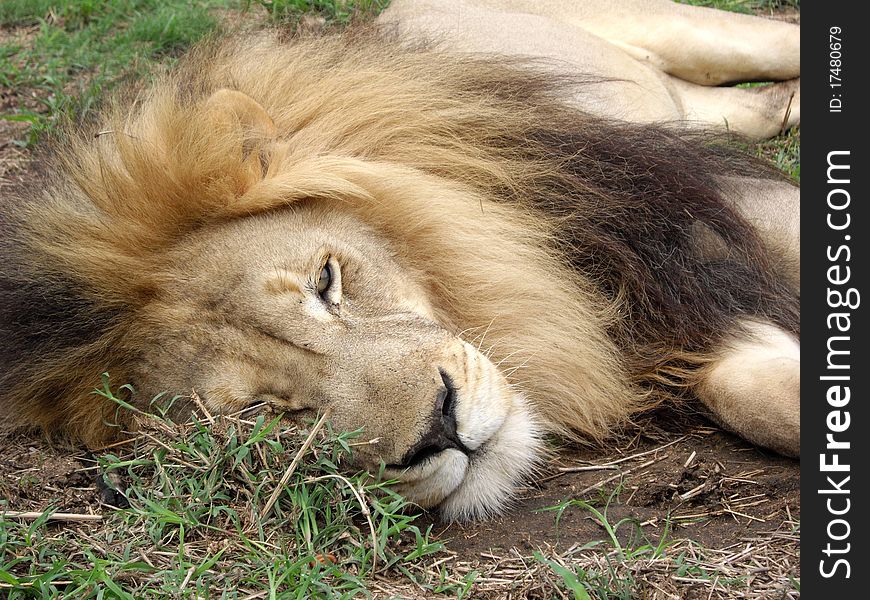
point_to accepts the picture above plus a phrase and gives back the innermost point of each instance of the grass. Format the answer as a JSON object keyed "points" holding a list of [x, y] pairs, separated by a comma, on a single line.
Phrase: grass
{"points": [[784, 151], [613, 582], [627, 564], [332, 11], [201, 521], [71, 52], [745, 6], [67, 54]]}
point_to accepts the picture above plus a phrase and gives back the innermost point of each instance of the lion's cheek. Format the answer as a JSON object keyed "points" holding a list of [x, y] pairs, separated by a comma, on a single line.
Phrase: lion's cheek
{"points": [[484, 399], [480, 415]]}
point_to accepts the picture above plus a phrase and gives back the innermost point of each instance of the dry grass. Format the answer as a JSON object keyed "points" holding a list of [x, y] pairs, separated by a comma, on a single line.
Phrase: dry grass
{"points": [[756, 568]]}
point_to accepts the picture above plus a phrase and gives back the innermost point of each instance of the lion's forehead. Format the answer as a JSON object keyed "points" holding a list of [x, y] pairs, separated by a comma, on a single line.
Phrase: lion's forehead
{"points": [[247, 253]]}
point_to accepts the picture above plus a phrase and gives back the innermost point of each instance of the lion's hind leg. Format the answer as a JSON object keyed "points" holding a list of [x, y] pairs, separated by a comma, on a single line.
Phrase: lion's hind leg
{"points": [[702, 45], [757, 113], [752, 386]]}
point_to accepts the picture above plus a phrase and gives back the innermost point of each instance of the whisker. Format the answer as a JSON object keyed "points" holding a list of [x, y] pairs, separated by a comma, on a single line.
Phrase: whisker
{"points": [[499, 363], [515, 368], [488, 352], [467, 329], [519, 384], [483, 337]]}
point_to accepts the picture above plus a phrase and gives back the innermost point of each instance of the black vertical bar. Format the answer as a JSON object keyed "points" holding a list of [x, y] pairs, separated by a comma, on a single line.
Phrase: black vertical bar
{"points": [[835, 371]]}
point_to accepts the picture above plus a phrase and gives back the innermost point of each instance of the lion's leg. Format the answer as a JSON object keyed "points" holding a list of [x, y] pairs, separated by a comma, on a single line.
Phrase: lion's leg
{"points": [[757, 112], [752, 386], [697, 44]]}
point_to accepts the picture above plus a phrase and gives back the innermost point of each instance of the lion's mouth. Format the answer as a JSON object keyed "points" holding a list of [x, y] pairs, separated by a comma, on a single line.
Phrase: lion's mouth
{"points": [[472, 471], [419, 457], [468, 486], [425, 451]]}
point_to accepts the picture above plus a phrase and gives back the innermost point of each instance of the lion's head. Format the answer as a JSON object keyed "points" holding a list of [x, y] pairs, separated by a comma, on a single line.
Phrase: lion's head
{"points": [[309, 309]]}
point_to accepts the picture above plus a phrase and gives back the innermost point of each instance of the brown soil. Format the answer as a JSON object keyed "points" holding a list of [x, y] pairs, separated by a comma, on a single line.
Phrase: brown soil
{"points": [[35, 476], [716, 489]]}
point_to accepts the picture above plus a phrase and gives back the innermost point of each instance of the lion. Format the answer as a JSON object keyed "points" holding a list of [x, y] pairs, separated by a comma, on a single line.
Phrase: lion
{"points": [[434, 246]]}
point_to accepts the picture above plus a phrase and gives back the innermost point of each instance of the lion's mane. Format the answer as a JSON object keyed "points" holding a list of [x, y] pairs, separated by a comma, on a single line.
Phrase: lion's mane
{"points": [[566, 244]]}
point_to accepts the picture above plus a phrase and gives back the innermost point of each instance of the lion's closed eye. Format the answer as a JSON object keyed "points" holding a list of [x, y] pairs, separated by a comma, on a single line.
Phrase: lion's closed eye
{"points": [[328, 283]]}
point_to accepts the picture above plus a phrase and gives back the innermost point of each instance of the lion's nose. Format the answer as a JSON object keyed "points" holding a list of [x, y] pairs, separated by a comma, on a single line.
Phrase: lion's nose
{"points": [[442, 432]]}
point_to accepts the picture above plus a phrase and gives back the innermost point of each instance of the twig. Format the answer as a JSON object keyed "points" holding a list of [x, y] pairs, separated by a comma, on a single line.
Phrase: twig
{"points": [[371, 442], [7, 586], [694, 491], [690, 459], [588, 468], [198, 401], [787, 114], [248, 408], [607, 465], [286, 477], [57, 516], [603, 482], [114, 445], [186, 578]]}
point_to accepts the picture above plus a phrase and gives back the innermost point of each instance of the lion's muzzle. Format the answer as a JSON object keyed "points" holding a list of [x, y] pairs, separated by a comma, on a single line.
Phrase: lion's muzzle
{"points": [[469, 462], [442, 434]]}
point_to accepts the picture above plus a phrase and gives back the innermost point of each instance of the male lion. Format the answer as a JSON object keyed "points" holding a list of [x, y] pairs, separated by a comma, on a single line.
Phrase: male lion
{"points": [[435, 245]]}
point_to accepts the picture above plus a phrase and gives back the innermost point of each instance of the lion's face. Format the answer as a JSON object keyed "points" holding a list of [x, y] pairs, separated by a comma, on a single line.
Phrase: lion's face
{"points": [[308, 309]]}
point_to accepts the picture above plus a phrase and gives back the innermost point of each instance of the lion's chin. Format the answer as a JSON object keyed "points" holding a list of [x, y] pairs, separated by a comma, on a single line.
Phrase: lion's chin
{"points": [[481, 484]]}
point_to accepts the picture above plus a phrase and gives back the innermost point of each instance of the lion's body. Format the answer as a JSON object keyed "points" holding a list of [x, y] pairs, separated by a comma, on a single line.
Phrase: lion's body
{"points": [[559, 271], [651, 61]]}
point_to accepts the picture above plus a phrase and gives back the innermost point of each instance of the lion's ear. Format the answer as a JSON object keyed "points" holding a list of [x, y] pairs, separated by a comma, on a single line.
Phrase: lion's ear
{"points": [[245, 120], [233, 108]]}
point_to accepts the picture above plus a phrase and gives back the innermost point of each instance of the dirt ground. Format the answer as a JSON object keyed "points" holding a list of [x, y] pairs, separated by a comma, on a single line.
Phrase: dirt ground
{"points": [[716, 488]]}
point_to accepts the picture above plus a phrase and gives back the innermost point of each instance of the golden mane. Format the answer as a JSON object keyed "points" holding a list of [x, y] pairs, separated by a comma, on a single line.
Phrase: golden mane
{"points": [[460, 162]]}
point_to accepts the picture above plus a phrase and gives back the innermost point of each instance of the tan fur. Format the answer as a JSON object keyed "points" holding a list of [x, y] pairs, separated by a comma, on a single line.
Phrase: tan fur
{"points": [[752, 386]]}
